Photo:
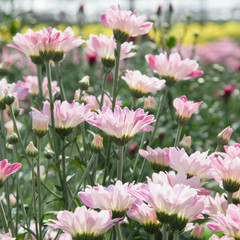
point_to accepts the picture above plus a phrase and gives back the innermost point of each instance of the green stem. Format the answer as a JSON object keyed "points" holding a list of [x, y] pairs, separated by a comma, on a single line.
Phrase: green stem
{"points": [[230, 197], [178, 135], [120, 163], [115, 82], [136, 160], [164, 232], [160, 110], [142, 170], [103, 87], [39, 74], [118, 231], [218, 148], [110, 177], [109, 144], [134, 103], [82, 179], [176, 235], [84, 142], [34, 199], [3, 134], [95, 165], [80, 96], [3, 217], [151, 236], [59, 79], [39, 188], [65, 193]]}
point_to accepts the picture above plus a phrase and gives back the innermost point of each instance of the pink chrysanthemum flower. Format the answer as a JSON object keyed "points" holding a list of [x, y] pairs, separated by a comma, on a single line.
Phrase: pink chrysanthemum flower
{"points": [[215, 237], [125, 24], [145, 215], [232, 151], [31, 82], [84, 223], [141, 84], [228, 224], [227, 172], [197, 164], [184, 109], [115, 198], [122, 124], [46, 44], [7, 169], [172, 68], [40, 122], [158, 157], [67, 116], [105, 48]]}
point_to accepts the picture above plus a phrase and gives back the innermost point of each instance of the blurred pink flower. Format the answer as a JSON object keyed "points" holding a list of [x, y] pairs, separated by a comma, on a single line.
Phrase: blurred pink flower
{"points": [[172, 68], [83, 222], [125, 23], [115, 198], [90, 56], [215, 237], [7, 169], [149, 104], [122, 124], [197, 232], [6, 236], [141, 84], [224, 136], [229, 223], [197, 164]]}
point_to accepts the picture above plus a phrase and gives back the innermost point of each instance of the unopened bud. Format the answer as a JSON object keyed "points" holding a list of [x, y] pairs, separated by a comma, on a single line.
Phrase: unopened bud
{"points": [[84, 83], [186, 143], [224, 136], [8, 99], [170, 8], [31, 150], [12, 137], [15, 108], [149, 104], [12, 199], [159, 10], [97, 143], [48, 153], [197, 232]]}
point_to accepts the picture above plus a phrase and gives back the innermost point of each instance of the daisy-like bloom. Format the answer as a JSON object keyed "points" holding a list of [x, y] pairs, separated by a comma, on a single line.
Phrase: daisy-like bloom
{"points": [[228, 224], [122, 124], [125, 24], [105, 48], [149, 104], [97, 143], [7, 169], [115, 198], [67, 116], [31, 82], [173, 179], [227, 172], [157, 157], [184, 109], [215, 237], [172, 68], [175, 205], [215, 205], [145, 215], [232, 151], [197, 232], [197, 164], [40, 122], [140, 84], [84, 223], [6, 236], [224, 136], [46, 44]]}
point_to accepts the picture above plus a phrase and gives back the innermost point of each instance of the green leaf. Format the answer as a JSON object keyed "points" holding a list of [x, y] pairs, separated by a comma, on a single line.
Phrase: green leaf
{"points": [[171, 42]]}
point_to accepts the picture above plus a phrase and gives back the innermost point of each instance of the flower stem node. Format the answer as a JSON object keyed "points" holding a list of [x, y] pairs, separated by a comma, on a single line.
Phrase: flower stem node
{"points": [[181, 120], [151, 228], [31, 150], [231, 186], [120, 36], [121, 141]]}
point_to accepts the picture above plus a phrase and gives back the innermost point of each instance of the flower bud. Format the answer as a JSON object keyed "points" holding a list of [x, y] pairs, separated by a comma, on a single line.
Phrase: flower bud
{"points": [[186, 143], [12, 199], [15, 108], [224, 136], [149, 104], [197, 232], [132, 148], [48, 153], [84, 83], [170, 8], [8, 99], [12, 137], [159, 10], [31, 150], [97, 143]]}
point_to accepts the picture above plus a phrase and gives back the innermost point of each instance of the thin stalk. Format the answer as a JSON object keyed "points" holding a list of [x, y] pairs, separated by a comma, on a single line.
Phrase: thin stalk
{"points": [[118, 231], [160, 110], [120, 163], [142, 171], [65, 193], [3, 134], [218, 148], [111, 173], [82, 179], [103, 87], [136, 160], [178, 135], [95, 165], [176, 235], [151, 236], [34, 199], [134, 103], [115, 82], [109, 144], [39, 188], [164, 232], [3, 217], [59, 79], [229, 197], [39, 74], [84, 142]]}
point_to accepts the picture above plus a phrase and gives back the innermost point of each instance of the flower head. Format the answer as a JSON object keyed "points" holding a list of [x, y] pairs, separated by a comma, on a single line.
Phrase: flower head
{"points": [[7, 169], [184, 109], [172, 68], [84, 223], [232, 151], [115, 198], [224, 136], [125, 24], [149, 104], [122, 124], [140, 84]]}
